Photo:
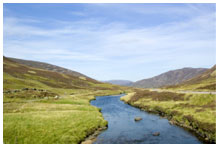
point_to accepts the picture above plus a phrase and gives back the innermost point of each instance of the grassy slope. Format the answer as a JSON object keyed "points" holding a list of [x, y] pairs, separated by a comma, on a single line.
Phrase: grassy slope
{"points": [[194, 111], [36, 115], [203, 82]]}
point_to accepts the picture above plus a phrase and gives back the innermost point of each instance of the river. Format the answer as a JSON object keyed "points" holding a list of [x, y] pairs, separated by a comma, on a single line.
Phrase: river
{"points": [[123, 129]]}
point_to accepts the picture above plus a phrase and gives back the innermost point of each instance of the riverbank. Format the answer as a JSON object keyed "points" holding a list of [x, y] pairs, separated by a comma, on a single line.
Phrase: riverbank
{"points": [[67, 119], [194, 112], [92, 137], [124, 129]]}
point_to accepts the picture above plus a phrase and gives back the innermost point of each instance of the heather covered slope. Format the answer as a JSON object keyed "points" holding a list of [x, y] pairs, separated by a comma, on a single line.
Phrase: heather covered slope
{"points": [[46, 66], [19, 76], [42, 106], [203, 82], [169, 78]]}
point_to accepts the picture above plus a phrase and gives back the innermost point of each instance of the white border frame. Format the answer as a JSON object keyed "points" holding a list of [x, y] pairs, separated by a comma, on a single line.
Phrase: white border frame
{"points": [[90, 1]]}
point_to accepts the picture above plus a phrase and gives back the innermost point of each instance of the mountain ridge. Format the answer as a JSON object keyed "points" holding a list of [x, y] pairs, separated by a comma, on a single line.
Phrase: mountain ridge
{"points": [[204, 81], [170, 77], [120, 82]]}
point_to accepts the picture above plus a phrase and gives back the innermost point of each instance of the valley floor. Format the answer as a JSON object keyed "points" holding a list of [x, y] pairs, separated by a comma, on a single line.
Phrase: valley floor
{"points": [[68, 118]]}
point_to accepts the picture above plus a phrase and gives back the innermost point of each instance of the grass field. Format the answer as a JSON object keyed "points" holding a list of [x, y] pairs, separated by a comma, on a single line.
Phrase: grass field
{"points": [[69, 119], [196, 112]]}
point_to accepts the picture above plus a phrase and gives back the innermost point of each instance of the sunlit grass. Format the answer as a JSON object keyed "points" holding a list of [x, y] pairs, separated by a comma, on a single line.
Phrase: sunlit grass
{"points": [[127, 97], [66, 120], [57, 126], [195, 110]]}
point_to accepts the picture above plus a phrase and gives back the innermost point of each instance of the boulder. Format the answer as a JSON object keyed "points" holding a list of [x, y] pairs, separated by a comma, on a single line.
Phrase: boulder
{"points": [[171, 122], [56, 97], [138, 118], [156, 133]]}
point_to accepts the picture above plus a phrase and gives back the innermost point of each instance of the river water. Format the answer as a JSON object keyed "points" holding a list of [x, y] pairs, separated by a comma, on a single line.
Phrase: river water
{"points": [[123, 129]]}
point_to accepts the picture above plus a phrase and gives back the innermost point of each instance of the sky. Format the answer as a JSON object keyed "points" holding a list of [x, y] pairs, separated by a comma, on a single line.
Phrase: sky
{"points": [[112, 41]]}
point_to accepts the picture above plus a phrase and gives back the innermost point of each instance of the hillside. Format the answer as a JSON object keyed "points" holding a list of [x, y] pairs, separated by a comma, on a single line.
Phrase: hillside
{"points": [[203, 82], [120, 82], [45, 106], [46, 66], [169, 78], [45, 76]]}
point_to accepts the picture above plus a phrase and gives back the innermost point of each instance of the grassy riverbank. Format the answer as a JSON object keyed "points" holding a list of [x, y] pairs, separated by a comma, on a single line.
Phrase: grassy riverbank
{"points": [[45, 106], [197, 112], [69, 119]]}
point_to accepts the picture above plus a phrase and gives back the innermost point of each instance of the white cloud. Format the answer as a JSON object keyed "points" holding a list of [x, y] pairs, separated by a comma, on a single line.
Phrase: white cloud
{"points": [[185, 9], [116, 41], [114, 44]]}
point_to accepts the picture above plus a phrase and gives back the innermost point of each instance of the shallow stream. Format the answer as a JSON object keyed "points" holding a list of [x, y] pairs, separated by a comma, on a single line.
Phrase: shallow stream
{"points": [[122, 128]]}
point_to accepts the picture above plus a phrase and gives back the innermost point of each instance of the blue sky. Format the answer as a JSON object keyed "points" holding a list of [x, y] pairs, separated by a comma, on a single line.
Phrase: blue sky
{"points": [[113, 41]]}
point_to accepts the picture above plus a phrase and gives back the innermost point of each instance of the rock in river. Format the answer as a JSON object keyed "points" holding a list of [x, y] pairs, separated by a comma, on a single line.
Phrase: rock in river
{"points": [[138, 118], [156, 133]]}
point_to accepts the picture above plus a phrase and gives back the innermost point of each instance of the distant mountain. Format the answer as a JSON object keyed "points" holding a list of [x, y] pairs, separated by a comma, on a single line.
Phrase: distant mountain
{"points": [[205, 81], [120, 82], [172, 77]]}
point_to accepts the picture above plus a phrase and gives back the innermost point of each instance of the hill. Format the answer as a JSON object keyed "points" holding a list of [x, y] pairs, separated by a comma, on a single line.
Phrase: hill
{"points": [[38, 74], [203, 82], [47, 105], [179, 103], [120, 82], [169, 78], [46, 66]]}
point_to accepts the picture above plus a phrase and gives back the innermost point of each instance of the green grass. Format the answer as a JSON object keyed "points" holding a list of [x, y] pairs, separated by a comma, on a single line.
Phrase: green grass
{"points": [[127, 97], [204, 86], [70, 119], [67, 120], [10, 82], [57, 126], [196, 111], [34, 116]]}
